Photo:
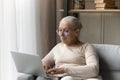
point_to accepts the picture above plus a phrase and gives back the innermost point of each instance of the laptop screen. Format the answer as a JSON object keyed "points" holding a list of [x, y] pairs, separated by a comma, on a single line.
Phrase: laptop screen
{"points": [[28, 63]]}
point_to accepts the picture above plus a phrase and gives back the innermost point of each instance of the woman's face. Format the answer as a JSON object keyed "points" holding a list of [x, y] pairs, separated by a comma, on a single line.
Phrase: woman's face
{"points": [[67, 33]]}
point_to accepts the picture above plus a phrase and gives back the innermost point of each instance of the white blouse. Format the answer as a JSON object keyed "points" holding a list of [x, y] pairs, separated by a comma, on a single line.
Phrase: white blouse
{"points": [[78, 62]]}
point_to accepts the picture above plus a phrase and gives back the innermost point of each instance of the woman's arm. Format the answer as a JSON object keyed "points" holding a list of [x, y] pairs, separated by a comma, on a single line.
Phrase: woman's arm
{"points": [[91, 69], [48, 60]]}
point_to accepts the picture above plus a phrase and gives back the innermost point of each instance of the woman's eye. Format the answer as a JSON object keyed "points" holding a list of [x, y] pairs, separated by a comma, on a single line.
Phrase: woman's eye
{"points": [[66, 31], [60, 30]]}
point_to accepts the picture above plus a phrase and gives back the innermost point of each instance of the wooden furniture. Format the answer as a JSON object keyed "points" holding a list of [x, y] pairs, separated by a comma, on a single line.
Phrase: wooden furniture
{"points": [[67, 10]]}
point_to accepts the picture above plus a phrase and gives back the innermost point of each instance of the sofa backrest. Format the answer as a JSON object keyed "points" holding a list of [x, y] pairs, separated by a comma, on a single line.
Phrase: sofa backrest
{"points": [[109, 58]]}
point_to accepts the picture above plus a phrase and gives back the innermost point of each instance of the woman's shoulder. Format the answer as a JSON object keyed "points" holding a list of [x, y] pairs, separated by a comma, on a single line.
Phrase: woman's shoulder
{"points": [[58, 45], [87, 44]]}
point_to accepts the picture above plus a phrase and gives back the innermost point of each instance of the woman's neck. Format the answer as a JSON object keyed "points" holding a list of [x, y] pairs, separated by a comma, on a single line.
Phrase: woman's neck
{"points": [[74, 43]]}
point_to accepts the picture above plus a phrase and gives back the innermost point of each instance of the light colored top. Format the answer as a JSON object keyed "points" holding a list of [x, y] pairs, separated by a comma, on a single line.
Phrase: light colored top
{"points": [[79, 61]]}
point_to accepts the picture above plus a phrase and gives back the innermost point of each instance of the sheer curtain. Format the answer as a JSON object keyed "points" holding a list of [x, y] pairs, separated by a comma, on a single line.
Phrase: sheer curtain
{"points": [[26, 26], [19, 25], [7, 39]]}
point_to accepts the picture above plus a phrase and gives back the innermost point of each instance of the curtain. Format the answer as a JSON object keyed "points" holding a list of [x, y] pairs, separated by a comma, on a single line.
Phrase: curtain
{"points": [[26, 20], [26, 26], [50, 16], [7, 39], [59, 15], [47, 37], [18, 32]]}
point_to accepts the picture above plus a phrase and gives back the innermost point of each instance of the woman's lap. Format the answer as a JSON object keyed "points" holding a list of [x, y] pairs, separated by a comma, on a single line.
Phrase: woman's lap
{"points": [[64, 78], [69, 78], [43, 78]]}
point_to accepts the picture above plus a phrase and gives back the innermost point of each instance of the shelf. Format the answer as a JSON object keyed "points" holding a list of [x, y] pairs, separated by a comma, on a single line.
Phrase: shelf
{"points": [[93, 11]]}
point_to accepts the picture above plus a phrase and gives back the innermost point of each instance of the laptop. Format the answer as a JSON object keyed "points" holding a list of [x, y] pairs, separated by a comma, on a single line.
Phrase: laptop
{"points": [[28, 64]]}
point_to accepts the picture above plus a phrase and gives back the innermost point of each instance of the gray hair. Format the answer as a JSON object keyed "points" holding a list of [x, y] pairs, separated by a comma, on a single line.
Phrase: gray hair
{"points": [[74, 21]]}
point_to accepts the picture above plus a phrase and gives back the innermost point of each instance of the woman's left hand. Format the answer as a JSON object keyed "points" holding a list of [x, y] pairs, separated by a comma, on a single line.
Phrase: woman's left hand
{"points": [[58, 70]]}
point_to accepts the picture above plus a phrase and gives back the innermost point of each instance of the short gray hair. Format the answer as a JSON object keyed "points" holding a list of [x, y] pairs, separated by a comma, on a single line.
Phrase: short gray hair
{"points": [[74, 21]]}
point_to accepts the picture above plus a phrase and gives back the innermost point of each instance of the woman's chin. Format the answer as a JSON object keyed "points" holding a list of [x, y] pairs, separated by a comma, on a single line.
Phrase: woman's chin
{"points": [[63, 41]]}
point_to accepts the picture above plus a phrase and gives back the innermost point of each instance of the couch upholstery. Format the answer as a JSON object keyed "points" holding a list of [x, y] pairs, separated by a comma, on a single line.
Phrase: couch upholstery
{"points": [[109, 58], [25, 77]]}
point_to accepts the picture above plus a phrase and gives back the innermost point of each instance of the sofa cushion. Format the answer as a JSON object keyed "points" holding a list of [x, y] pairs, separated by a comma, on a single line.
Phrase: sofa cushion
{"points": [[112, 75], [109, 56], [25, 77]]}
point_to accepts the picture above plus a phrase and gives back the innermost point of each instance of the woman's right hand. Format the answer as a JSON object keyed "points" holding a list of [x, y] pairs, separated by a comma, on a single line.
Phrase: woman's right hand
{"points": [[46, 66]]}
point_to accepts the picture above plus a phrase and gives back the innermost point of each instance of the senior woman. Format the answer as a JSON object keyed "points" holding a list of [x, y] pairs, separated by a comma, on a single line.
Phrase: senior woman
{"points": [[71, 58]]}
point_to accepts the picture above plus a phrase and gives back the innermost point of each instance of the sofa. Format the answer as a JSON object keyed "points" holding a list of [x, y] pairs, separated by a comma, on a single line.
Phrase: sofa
{"points": [[109, 60]]}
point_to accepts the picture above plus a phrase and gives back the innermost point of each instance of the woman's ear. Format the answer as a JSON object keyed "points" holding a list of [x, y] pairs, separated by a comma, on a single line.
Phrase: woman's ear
{"points": [[77, 32]]}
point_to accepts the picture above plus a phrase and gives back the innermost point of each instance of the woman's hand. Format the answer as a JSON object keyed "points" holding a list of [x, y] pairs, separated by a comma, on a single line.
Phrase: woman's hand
{"points": [[46, 66], [59, 70]]}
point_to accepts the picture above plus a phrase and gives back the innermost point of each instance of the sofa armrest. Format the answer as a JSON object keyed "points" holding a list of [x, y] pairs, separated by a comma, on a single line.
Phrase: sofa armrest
{"points": [[25, 77]]}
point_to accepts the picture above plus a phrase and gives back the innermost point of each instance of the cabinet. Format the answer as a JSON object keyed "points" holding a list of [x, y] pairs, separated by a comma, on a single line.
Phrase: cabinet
{"points": [[99, 26]]}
